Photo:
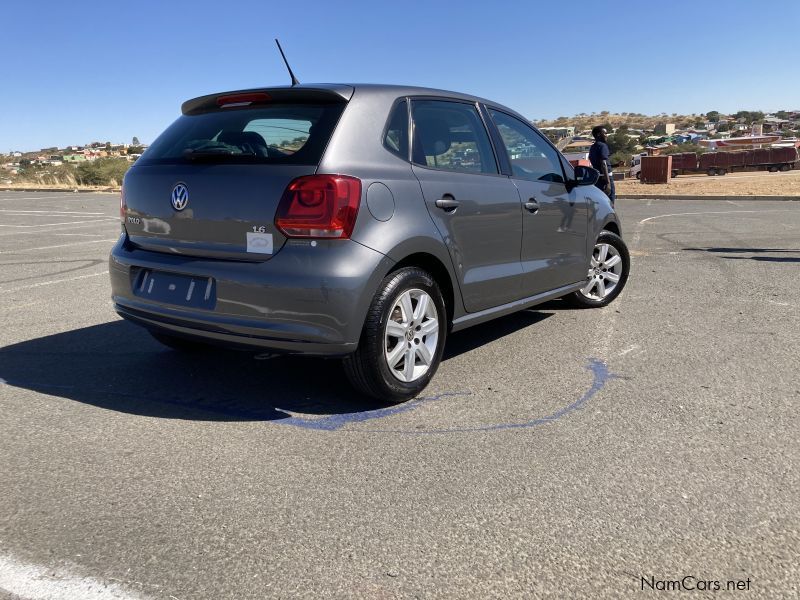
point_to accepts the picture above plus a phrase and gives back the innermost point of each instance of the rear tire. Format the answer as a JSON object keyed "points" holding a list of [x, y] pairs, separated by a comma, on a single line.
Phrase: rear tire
{"points": [[773, 169], [403, 338], [711, 172], [785, 167], [608, 273]]}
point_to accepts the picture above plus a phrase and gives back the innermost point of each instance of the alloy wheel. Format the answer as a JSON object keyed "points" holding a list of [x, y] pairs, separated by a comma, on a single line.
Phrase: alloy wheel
{"points": [[411, 335], [605, 271]]}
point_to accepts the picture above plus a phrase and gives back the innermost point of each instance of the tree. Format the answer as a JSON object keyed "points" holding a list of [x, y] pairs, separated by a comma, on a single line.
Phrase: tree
{"points": [[621, 146], [723, 127], [782, 114], [713, 116], [135, 141], [746, 116], [680, 148]]}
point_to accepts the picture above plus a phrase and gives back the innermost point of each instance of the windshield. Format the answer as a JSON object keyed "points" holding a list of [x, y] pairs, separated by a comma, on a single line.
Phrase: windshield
{"points": [[293, 134]]}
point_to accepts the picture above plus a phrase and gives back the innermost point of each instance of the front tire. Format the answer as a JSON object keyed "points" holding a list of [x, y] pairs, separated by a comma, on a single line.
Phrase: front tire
{"points": [[403, 338], [608, 273]]}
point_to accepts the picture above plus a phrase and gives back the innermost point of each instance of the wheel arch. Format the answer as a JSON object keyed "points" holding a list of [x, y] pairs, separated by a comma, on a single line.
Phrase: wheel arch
{"points": [[613, 227], [438, 271]]}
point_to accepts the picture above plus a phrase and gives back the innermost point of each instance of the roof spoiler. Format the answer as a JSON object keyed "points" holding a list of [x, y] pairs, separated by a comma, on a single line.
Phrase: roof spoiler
{"points": [[266, 96]]}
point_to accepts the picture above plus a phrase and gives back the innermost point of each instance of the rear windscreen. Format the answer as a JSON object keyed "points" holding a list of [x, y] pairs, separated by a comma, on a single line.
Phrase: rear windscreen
{"points": [[294, 134]]}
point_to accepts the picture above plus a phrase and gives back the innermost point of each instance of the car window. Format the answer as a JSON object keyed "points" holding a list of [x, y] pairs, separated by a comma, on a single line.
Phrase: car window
{"points": [[287, 135], [278, 134], [531, 156], [451, 135], [396, 138]]}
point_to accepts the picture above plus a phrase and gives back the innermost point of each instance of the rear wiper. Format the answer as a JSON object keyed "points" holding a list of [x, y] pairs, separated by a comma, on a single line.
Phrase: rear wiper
{"points": [[217, 153], [206, 152]]}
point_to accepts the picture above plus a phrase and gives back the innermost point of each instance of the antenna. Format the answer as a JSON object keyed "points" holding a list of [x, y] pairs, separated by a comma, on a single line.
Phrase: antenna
{"points": [[294, 79]]}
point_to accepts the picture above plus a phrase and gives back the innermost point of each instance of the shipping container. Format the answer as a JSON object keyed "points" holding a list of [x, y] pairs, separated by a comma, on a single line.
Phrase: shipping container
{"points": [[656, 169], [784, 158], [720, 163], [683, 162], [772, 159]]}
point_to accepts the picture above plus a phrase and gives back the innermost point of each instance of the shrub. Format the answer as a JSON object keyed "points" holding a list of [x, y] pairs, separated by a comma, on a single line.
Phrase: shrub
{"points": [[102, 171]]}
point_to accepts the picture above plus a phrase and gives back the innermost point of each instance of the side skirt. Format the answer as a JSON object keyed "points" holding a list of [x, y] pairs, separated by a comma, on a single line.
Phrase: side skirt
{"points": [[505, 309]]}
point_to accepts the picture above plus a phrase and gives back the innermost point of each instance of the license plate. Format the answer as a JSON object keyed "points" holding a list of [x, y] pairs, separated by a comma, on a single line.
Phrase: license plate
{"points": [[171, 288]]}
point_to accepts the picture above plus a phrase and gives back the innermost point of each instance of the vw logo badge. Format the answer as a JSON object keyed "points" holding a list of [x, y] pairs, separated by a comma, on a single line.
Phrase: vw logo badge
{"points": [[180, 196]]}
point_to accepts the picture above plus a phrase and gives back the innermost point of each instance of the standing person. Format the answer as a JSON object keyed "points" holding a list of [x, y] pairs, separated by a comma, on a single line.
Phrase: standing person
{"points": [[599, 157]]}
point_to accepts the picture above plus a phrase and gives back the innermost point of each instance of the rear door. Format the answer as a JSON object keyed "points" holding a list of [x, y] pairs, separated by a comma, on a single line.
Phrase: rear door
{"points": [[554, 220], [476, 209], [211, 183]]}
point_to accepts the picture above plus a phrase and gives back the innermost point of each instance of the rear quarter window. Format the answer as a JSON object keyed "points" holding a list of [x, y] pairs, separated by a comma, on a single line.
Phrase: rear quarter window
{"points": [[396, 138], [278, 134]]}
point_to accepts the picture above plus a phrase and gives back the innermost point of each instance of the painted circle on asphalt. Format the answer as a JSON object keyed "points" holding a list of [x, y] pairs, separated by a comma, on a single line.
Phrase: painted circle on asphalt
{"points": [[600, 376]]}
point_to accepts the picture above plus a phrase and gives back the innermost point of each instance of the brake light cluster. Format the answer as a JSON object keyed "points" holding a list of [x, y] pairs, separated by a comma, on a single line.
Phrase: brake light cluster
{"points": [[246, 99], [319, 206], [122, 206]]}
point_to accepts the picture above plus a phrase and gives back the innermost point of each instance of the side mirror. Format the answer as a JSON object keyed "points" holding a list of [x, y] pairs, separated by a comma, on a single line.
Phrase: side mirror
{"points": [[584, 176]]}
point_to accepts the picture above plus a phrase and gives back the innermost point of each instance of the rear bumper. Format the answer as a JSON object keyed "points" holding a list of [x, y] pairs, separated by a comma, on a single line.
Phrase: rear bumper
{"points": [[307, 299]]}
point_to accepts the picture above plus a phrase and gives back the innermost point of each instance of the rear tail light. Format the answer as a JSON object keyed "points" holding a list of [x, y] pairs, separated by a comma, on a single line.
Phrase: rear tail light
{"points": [[319, 206], [122, 206]]}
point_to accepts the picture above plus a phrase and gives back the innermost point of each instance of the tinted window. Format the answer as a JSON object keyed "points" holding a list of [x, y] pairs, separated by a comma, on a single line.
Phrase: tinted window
{"points": [[531, 156], [451, 135], [279, 134], [396, 138]]}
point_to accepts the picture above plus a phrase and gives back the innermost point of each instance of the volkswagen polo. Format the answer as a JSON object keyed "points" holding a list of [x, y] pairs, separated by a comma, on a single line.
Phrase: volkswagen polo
{"points": [[365, 222]]}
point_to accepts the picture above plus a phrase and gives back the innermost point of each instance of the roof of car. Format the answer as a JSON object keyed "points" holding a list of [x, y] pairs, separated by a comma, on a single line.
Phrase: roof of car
{"points": [[344, 90]]}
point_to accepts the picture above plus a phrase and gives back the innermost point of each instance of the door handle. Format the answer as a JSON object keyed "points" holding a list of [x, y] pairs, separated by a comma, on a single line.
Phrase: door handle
{"points": [[532, 206], [448, 203]]}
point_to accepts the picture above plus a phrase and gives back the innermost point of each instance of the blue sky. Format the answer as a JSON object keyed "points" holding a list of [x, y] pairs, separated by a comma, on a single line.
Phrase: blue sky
{"points": [[110, 70]]}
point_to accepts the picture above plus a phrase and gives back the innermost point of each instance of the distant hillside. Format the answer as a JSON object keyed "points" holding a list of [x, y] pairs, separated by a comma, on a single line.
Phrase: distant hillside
{"points": [[632, 120]]}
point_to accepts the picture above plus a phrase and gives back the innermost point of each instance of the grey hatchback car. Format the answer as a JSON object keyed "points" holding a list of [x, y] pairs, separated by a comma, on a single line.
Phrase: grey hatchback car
{"points": [[357, 221]]}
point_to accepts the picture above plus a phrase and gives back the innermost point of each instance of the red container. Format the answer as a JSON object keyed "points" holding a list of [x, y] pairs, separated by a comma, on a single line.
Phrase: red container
{"points": [[723, 160], [761, 156], [684, 160], [783, 155], [656, 169]]}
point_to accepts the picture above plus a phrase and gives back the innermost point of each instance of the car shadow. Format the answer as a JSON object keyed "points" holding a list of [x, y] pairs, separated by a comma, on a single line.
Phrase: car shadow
{"points": [[119, 366], [759, 252]]}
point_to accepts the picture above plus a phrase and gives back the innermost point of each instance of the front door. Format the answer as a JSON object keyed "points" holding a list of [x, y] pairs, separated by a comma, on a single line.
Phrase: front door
{"points": [[554, 220]]}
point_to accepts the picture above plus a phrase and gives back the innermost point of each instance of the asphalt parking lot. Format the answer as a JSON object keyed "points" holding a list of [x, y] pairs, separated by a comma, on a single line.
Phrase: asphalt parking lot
{"points": [[558, 453]]}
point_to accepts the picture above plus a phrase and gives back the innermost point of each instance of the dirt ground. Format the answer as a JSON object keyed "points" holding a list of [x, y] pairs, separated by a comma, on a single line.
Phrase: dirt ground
{"points": [[56, 188], [753, 183]]}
